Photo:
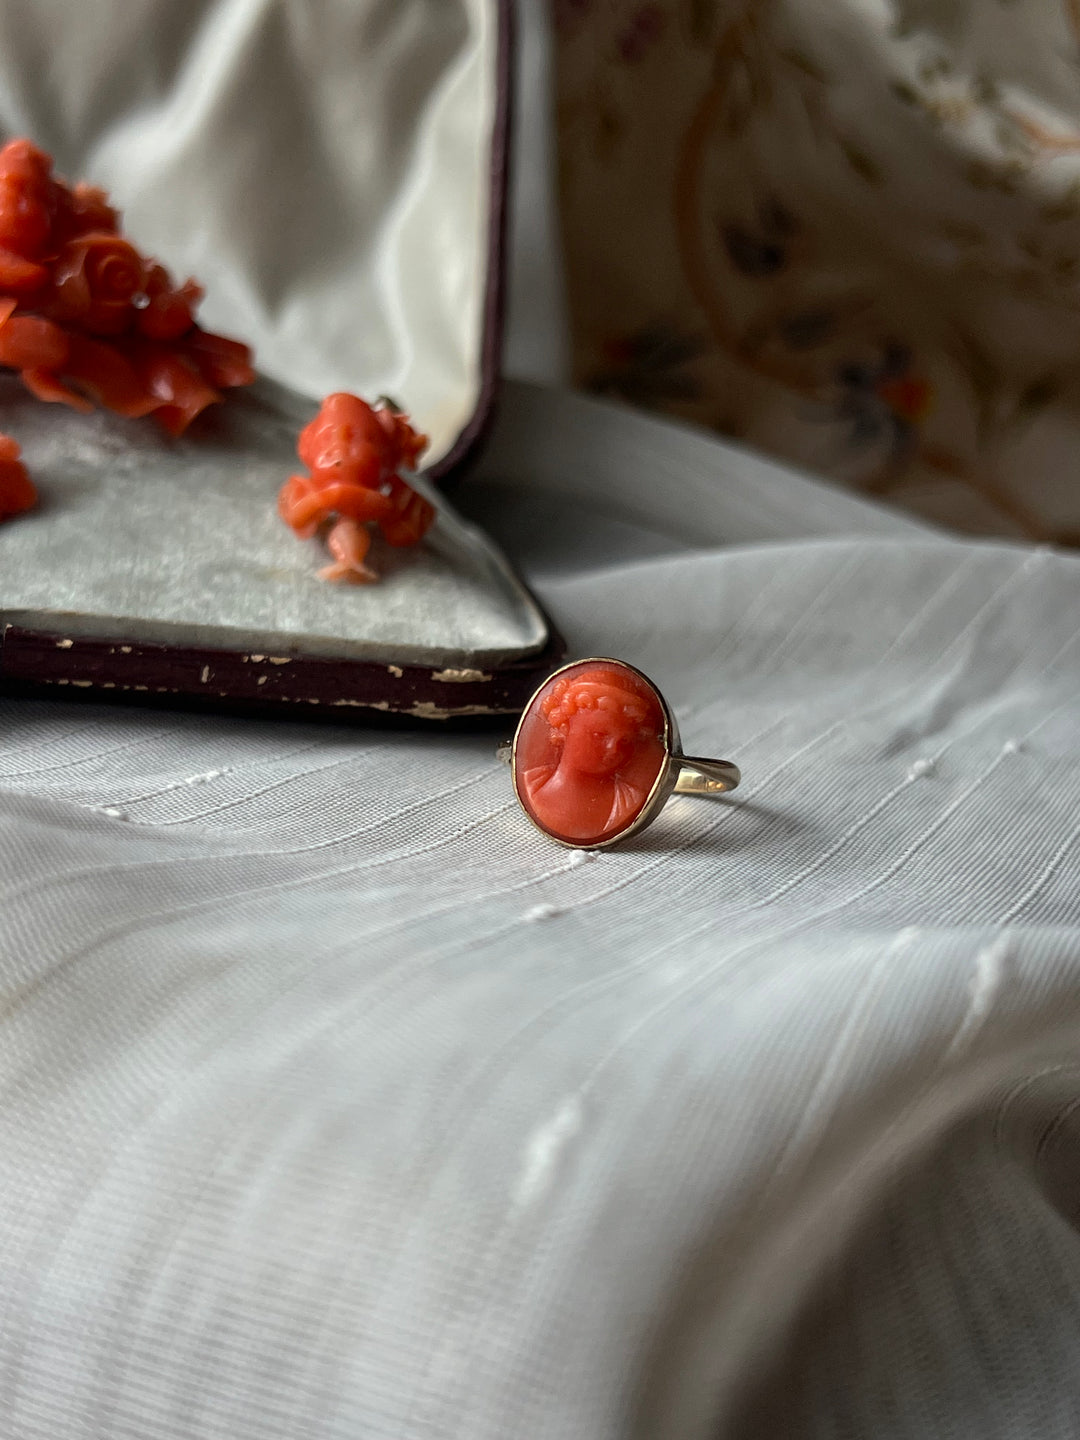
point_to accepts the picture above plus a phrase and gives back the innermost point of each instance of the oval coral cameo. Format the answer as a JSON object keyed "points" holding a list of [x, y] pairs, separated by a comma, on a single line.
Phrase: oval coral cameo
{"points": [[589, 751]]}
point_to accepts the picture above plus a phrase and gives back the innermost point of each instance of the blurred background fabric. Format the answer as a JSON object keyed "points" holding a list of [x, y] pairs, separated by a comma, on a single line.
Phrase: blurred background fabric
{"points": [[844, 231]]}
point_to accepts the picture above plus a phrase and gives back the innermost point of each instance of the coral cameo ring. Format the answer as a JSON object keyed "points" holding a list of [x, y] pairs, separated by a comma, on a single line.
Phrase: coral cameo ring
{"points": [[596, 756]]}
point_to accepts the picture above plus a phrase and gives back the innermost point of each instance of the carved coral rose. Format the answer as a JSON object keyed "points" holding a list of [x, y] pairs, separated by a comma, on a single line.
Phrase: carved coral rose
{"points": [[88, 210], [220, 361], [19, 276], [169, 311], [28, 199], [95, 279], [25, 221], [27, 342]]}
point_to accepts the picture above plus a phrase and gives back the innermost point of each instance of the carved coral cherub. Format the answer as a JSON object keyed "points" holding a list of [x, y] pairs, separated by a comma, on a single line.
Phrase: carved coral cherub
{"points": [[354, 452]]}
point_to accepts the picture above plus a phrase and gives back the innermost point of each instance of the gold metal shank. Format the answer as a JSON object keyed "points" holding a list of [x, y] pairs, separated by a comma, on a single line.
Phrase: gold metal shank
{"points": [[698, 776]]}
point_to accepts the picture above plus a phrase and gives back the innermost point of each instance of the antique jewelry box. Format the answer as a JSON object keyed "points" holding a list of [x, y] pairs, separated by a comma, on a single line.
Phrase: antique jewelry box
{"points": [[341, 196]]}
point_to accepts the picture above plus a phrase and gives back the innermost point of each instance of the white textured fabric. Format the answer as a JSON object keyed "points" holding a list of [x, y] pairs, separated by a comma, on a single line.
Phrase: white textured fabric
{"points": [[337, 1102]]}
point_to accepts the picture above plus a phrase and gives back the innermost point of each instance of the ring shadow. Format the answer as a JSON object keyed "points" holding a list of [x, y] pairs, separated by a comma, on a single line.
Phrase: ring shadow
{"points": [[780, 826]]}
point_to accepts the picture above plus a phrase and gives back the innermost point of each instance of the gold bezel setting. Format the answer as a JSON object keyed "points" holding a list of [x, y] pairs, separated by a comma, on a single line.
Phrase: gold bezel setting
{"points": [[666, 778]]}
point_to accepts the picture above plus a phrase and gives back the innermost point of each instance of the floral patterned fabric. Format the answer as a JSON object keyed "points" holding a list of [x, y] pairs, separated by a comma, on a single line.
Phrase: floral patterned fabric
{"points": [[845, 231]]}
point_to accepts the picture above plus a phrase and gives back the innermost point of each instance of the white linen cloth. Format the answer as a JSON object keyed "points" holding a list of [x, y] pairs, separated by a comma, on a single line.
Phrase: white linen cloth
{"points": [[338, 1102]]}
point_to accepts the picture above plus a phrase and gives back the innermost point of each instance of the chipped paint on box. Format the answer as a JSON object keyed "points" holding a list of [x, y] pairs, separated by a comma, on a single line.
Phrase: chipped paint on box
{"points": [[460, 677]]}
